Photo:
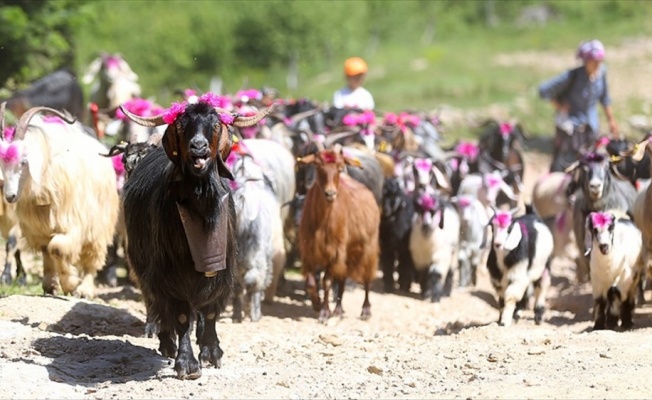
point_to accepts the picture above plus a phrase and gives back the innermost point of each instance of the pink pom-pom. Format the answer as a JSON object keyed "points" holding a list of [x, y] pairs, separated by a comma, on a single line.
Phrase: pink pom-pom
{"points": [[328, 157], [492, 180], [368, 117], [350, 120], [469, 150], [118, 166], [226, 119], [211, 99], [173, 112], [427, 202], [10, 153], [390, 119], [423, 164], [601, 142], [601, 220], [503, 219], [464, 201], [506, 129], [9, 133], [52, 119], [189, 92]]}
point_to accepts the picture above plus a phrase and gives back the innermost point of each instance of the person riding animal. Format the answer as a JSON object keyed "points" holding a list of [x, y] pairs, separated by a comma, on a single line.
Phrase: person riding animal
{"points": [[575, 94]]}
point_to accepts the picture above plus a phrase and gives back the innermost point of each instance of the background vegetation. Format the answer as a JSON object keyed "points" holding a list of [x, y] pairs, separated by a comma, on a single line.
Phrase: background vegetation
{"points": [[422, 54]]}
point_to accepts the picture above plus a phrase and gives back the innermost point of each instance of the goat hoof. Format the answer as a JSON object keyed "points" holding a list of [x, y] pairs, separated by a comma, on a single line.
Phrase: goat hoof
{"points": [[366, 313], [211, 355], [338, 312], [187, 367], [5, 279], [324, 315]]}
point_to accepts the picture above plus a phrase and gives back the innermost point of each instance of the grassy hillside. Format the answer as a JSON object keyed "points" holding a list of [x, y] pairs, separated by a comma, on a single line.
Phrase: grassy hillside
{"points": [[459, 66]]}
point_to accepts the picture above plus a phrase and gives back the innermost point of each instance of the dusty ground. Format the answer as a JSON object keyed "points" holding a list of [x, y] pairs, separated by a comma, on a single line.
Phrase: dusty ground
{"points": [[55, 347]]}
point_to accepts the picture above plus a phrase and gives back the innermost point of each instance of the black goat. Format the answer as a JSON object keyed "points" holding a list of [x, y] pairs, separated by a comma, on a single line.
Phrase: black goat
{"points": [[395, 227], [180, 223], [59, 90]]}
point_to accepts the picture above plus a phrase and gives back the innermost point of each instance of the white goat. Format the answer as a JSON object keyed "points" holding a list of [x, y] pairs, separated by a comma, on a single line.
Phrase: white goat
{"points": [[259, 227], [117, 82], [617, 258], [65, 195], [473, 222], [486, 187], [434, 243]]}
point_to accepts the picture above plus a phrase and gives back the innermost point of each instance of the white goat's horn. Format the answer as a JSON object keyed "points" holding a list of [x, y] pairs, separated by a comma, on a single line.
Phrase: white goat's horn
{"points": [[23, 123], [3, 105], [243, 122], [144, 121]]}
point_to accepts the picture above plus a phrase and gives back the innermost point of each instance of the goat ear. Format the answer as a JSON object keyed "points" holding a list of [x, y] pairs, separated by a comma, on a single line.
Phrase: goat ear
{"points": [[441, 217], [170, 142], [588, 235], [571, 168], [354, 162], [309, 159], [35, 167], [484, 233], [441, 178], [514, 237], [637, 152]]}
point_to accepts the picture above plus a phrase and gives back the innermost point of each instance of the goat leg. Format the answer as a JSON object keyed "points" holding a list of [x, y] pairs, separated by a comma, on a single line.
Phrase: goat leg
{"points": [[339, 312], [614, 303], [541, 286], [311, 291], [599, 312], [405, 269], [325, 312], [185, 364], [167, 347], [254, 298], [21, 275], [366, 306], [210, 352], [387, 265], [6, 274], [237, 315], [50, 278], [626, 311]]}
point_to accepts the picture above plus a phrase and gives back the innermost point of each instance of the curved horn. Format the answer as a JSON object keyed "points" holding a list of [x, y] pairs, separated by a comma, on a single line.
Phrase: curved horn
{"points": [[3, 105], [144, 121], [298, 117], [23, 123], [243, 122], [332, 138]]}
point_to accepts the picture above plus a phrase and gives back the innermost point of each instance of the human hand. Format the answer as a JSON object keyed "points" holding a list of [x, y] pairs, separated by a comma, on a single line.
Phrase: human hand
{"points": [[613, 129]]}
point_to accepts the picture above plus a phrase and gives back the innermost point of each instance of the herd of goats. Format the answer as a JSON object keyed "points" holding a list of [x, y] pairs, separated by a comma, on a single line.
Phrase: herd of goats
{"points": [[211, 198]]}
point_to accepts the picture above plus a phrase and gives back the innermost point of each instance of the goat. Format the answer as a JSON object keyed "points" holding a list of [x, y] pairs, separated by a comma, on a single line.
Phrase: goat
{"points": [[473, 222], [520, 255], [597, 191], [180, 223], [259, 230], [395, 227], [486, 187], [116, 82], [59, 90], [434, 244], [11, 233], [338, 231], [65, 195], [616, 266]]}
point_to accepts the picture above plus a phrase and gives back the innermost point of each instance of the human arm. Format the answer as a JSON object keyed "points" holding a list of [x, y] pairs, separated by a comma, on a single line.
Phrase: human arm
{"points": [[555, 88], [605, 100]]}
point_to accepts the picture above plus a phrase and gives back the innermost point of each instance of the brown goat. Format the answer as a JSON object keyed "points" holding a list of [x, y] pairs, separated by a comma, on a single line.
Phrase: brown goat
{"points": [[339, 231]]}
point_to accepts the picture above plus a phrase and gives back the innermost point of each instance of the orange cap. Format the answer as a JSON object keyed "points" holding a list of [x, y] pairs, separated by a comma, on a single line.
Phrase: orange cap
{"points": [[355, 66]]}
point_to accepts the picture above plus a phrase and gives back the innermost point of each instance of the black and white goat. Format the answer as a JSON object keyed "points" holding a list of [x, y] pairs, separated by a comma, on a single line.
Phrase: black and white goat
{"points": [[434, 243], [617, 260], [180, 220], [519, 256], [473, 222]]}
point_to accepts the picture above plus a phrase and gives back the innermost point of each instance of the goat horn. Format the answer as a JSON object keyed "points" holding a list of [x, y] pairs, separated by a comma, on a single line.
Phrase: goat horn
{"points": [[330, 139], [144, 121], [23, 123], [243, 122], [3, 105], [300, 116]]}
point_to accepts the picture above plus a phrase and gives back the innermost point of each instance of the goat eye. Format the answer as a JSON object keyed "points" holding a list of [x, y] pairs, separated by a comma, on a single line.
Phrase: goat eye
{"points": [[23, 162]]}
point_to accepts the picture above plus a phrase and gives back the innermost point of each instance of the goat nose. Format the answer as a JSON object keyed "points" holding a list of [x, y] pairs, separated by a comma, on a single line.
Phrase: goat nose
{"points": [[198, 145], [330, 193], [10, 197]]}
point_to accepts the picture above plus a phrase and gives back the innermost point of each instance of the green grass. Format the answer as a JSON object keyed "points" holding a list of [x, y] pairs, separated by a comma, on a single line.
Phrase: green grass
{"points": [[33, 287]]}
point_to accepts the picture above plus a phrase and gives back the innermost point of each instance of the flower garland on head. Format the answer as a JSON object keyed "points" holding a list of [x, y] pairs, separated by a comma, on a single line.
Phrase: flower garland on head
{"points": [[209, 98]]}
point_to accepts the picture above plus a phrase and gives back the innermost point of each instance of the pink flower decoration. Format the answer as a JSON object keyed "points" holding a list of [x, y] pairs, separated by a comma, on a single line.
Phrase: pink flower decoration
{"points": [[248, 94], [350, 120], [601, 220], [410, 120], [226, 119], [52, 119], [506, 129], [469, 150], [140, 107], [9, 133], [601, 142], [454, 163], [492, 180], [174, 111], [189, 92], [328, 157], [211, 99], [118, 166], [427, 202], [112, 61], [503, 219], [390, 119], [10, 153], [464, 201], [368, 118], [423, 164]]}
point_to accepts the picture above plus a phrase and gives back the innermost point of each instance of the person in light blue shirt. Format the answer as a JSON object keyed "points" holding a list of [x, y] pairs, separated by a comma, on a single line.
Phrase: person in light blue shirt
{"points": [[575, 95]]}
